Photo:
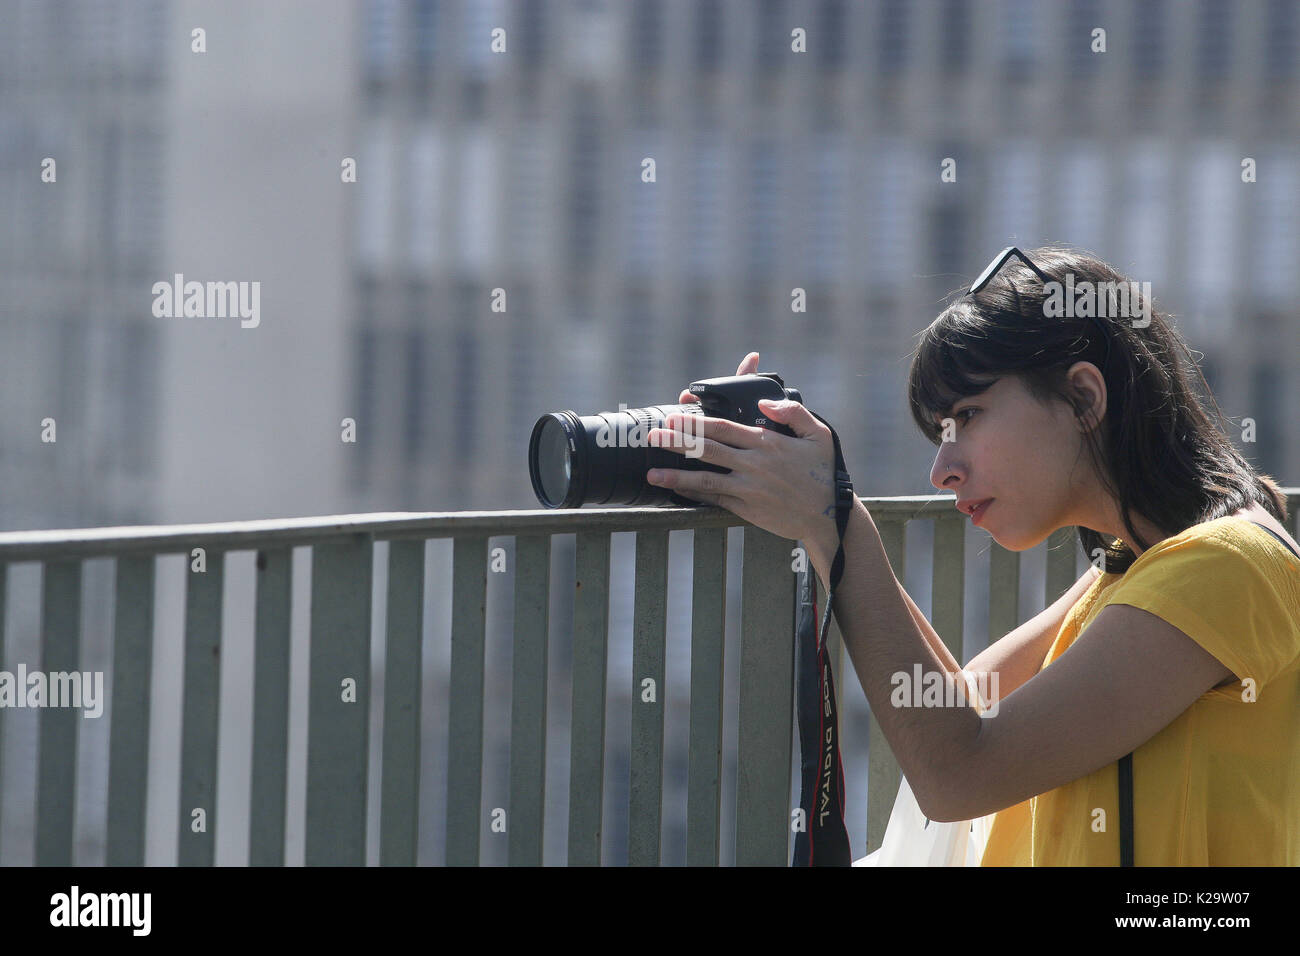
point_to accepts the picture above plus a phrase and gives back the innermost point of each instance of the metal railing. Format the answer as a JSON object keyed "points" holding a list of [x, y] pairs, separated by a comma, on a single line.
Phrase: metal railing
{"points": [[338, 746]]}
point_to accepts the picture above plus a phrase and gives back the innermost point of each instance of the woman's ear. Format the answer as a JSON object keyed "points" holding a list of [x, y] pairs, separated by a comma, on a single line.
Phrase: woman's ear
{"points": [[1090, 388]]}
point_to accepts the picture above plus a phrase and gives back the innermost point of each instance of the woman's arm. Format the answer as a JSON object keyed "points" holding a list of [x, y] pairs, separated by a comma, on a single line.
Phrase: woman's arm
{"points": [[883, 638], [925, 627], [1017, 655], [1088, 709]]}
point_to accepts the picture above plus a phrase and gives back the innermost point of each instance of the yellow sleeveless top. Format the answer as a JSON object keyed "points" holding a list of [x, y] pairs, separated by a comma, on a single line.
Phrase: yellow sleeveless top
{"points": [[1220, 785]]}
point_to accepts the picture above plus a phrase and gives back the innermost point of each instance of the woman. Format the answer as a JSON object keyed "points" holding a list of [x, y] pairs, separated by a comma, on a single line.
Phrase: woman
{"points": [[1179, 646]]}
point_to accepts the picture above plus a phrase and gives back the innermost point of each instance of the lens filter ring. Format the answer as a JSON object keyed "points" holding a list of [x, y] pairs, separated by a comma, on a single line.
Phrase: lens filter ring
{"points": [[558, 469]]}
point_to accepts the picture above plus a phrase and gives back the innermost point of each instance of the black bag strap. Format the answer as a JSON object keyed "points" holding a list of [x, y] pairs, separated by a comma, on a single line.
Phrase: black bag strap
{"points": [[824, 839], [1284, 541]]}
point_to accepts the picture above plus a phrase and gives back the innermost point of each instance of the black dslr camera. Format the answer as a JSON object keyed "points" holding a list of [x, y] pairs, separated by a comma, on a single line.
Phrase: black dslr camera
{"points": [[602, 459]]}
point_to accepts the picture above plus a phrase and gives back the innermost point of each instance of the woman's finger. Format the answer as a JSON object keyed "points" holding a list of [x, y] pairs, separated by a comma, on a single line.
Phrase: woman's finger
{"points": [[693, 444], [717, 499], [710, 486]]}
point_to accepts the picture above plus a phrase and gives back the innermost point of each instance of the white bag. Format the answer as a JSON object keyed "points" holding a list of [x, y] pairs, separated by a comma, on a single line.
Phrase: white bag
{"points": [[912, 840]]}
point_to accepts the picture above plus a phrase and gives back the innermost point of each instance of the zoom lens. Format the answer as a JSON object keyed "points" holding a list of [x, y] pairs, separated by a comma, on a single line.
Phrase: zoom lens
{"points": [[603, 459]]}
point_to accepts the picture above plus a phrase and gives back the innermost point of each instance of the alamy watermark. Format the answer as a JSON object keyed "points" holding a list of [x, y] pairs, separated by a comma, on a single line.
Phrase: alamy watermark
{"points": [[1102, 300], [621, 435], [80, 689], [211, 300], [75, 908], [938, 689]]}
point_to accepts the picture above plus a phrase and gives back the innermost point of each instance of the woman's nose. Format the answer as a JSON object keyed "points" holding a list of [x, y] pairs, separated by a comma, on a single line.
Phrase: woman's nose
{"points": [[943, 468]]}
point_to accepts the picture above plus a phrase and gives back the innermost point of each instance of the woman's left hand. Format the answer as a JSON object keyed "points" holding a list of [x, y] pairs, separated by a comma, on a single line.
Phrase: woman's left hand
{"points": [[781, 484]]}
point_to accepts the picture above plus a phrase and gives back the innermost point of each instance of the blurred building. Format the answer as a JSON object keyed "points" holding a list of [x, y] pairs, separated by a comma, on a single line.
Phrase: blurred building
{"points": [[522, 171]]}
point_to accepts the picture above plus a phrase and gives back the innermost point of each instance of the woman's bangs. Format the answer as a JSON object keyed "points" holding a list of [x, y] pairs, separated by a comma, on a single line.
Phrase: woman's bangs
{"points": [[949, 366]]}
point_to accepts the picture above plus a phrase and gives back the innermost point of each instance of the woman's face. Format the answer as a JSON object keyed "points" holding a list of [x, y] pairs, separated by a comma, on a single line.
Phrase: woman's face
{"points": [[1026, 455]]}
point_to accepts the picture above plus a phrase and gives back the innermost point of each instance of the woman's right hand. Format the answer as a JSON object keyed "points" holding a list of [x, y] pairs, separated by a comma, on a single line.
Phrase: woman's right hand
{"points": [[748, 366]]}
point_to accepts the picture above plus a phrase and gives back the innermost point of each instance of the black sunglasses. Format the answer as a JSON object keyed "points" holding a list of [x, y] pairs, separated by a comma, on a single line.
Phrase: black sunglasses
{"points": [[998, 262], [1001, 259]]}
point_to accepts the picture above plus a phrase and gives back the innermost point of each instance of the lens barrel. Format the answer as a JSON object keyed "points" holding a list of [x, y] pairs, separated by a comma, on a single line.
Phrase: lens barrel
{"points": [[575, 460]]}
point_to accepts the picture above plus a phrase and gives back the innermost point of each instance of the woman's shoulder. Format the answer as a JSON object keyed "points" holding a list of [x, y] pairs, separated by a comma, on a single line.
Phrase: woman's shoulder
{"points": [[1232, 553], [1250, 531]]}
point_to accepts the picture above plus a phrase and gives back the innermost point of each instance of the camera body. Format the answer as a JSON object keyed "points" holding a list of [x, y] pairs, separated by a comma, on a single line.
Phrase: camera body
{"points": [[603, 459]]}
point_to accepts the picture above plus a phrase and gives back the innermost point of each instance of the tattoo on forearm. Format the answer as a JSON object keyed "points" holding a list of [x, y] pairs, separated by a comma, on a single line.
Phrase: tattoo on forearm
{"points": [[823, 475]]}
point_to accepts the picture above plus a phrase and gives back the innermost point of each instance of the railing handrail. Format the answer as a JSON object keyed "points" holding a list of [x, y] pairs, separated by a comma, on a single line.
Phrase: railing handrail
{"points": [[68, 543]]}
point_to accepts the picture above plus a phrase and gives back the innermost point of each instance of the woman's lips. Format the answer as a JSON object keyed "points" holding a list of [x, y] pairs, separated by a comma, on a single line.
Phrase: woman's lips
{"points": [[978, 514]]}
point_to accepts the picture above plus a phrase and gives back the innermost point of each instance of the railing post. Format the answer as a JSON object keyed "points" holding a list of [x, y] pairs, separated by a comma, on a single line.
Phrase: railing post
{"points": [[949, 582], [526, 813], [201, 691], [338, 718], [268, 786], [465, 707], [590, 654], [708, 632], [399, 817], [649, 629], [1004, 592], [883, 772], [128, 748], [766, 732], [57, 763], [4, 580]]}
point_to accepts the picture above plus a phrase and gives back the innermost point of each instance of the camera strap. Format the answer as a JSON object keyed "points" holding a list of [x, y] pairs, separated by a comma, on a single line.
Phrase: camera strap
{"points": [[824, 839]]}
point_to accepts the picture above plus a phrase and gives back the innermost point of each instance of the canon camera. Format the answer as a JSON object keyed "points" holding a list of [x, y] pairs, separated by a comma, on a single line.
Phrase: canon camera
{"points": [[602, 459]]}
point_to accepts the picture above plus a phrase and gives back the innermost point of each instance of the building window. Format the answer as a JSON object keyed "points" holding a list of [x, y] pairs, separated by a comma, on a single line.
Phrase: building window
{"points": [[419, 398], [1083, 16], [381, 40], [531, 29], [773, 35], [1149, 39], [764, 207], [375, 182], [1214, 42], [708, 35], [647, 23], [1083, 213], [1145, 217], [584, 186], [643, 233], [832, 35], [427, 172], [831, 204], [705, 242], [1275, 235], [424, 34], [1014, 197], [955, 36], [1280, 40], [891, 219], [1018, 38], [1213, 183], [891, 54]]}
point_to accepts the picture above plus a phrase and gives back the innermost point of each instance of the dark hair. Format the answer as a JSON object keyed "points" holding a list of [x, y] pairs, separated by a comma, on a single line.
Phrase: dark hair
{"points": [[1157, 450]]}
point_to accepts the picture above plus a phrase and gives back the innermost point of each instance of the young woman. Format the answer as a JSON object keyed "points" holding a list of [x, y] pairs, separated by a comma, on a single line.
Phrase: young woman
{"points": [[1181, 644]]}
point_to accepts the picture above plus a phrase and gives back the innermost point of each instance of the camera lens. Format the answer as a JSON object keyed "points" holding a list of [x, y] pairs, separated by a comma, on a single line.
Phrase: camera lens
{"points": [[554, 463], [603, 459]]}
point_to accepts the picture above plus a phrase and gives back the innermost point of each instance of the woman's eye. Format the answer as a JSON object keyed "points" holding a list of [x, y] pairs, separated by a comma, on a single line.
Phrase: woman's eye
{"points": [[963, 412]]}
